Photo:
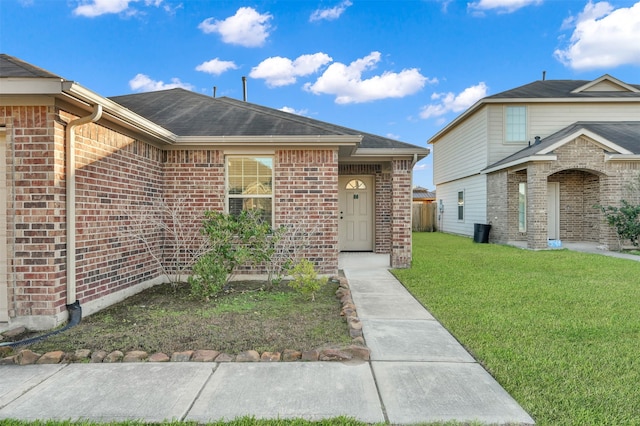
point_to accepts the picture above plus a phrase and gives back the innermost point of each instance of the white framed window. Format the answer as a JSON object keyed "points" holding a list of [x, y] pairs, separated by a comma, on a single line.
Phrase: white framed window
{"points": [[460, 205], [250, 184], [522, 207], [516, 124]]}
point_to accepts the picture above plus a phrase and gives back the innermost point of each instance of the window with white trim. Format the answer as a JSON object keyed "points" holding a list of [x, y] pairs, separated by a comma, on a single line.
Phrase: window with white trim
{"points": [[522, 207], [516, 124], [250, 184], [460, 205]]}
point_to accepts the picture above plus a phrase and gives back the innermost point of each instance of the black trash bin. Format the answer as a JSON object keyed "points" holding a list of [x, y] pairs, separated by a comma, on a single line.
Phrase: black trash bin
{"points": [[481, 233]]}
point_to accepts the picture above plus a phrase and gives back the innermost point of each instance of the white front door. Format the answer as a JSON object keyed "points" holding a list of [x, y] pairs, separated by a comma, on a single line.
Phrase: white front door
{"points": [[4, 299], [355, 220], [553, 210]]}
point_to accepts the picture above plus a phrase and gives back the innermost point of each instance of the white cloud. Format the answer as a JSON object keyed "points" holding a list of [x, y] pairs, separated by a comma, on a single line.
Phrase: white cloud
{"points": [[303, 112], [393, 136], [347, 84], [501, 6], [331, 13], [450, 102], [603, 37], [93, 8], [279, 71], [142, 83], [216, 66], [246, 28]]}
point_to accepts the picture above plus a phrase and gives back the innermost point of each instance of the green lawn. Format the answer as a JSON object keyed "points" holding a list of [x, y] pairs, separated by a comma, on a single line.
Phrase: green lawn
{"points": [[559, 330]]}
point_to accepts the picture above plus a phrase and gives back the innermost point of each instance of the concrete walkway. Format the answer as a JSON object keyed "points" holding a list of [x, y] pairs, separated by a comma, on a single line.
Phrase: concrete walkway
{"points": [[418, 373]]}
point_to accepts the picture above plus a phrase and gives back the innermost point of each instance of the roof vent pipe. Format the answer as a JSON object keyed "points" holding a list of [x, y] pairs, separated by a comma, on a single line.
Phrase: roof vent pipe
{"points": [[537, 138], [244, 89], [544, 75], [215, 89]]}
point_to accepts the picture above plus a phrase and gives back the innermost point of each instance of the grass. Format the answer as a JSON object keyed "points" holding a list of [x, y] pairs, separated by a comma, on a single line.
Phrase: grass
{"points": [[559, 330], [250, 317]]}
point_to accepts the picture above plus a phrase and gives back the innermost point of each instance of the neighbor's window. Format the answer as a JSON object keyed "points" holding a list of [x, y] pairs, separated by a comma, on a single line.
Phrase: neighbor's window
{"points": [[516, 128], [461, 205], [250, 185], [522, 207]]}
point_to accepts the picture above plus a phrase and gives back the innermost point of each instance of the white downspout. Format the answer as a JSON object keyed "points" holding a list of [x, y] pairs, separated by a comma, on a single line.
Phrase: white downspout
{"points": [[71, 198]]}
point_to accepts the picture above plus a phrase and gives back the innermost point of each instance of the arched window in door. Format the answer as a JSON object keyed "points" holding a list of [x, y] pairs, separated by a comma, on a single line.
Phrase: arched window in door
{"points": [[355, 184]]}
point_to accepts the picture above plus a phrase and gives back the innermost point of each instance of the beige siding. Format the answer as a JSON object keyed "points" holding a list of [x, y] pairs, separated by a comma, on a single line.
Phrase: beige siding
{"points": [[462, 152], [475, 204], [546, 119]]}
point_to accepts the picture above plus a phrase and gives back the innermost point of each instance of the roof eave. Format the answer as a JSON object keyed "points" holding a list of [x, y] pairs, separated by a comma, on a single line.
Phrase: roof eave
{"points": [[531, 158], [31, 86], [118, 113], [622, 157], [392, 152], [264, 140]]}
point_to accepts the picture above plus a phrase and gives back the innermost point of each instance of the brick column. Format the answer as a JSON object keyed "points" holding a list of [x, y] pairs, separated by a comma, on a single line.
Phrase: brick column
{"points": [[401, 214], [536, 208]]}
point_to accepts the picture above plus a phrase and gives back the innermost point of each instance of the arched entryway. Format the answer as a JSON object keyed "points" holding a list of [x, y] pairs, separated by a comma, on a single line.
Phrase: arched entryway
{"points": [[572, 197]]}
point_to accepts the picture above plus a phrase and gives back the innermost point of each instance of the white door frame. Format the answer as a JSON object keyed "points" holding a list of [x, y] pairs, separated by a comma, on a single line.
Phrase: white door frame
{"points": [[553, 210], [364, 238]]}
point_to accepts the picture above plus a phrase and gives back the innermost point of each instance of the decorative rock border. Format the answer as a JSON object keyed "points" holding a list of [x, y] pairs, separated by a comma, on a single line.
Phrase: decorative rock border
{"points": [[356, 351]]}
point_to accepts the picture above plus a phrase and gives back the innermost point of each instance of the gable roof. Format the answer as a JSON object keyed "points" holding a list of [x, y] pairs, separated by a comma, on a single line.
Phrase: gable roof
{"points": [[617, 137], [605, 88], [187, 113], [14, 67], [609, 87]]}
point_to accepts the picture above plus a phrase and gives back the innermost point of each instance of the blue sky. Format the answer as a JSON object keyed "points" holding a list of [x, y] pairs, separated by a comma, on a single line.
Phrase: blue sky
{"points": [[401, 69]]}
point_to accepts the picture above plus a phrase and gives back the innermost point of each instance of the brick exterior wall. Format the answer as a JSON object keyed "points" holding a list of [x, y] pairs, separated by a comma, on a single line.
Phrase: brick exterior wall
{"points": [[401, 216], [125, 186], [585, 179], [35, 219], [306, 189]]}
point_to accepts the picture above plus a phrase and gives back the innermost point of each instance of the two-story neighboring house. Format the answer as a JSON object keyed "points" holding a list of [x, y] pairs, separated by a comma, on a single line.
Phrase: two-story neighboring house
{"points": [[533, 161]]}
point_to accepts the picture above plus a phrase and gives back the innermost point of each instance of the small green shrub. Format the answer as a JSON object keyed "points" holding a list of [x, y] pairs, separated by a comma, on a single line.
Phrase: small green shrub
{"points": [[209, 277], [626, 221], [305, 279]]}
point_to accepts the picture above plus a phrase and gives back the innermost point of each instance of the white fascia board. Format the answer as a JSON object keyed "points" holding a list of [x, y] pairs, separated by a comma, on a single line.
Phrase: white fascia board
{"points": [[622, 157], [532, 158], [30, 86], [119, 113], [604, 143], [392, 152], [304, 141]]}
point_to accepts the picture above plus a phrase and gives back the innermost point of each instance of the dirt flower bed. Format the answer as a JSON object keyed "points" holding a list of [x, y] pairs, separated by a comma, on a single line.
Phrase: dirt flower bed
{"points": [[250, 316]]}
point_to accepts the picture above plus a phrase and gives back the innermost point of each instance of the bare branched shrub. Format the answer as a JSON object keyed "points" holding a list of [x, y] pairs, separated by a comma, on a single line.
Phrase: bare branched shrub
{"points": [[171, 234]]}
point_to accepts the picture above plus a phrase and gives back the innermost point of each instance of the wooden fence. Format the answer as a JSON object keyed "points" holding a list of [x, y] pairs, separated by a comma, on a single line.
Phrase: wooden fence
{"points": [[424, 217]]}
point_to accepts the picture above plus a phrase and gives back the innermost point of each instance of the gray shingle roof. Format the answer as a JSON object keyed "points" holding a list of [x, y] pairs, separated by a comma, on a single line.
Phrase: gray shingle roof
{"points": [[623, 133], [559, 89], [14, 67], [186, 113]]}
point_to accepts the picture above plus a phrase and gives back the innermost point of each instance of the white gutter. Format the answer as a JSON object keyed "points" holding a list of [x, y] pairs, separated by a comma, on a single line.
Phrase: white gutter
{"points": [[71, 198]]}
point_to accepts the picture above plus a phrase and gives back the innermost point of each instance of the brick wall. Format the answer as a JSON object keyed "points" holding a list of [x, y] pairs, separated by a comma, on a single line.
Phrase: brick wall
{"points": [[306, 189], [118, 181], [35, 218], [401, 214]]}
